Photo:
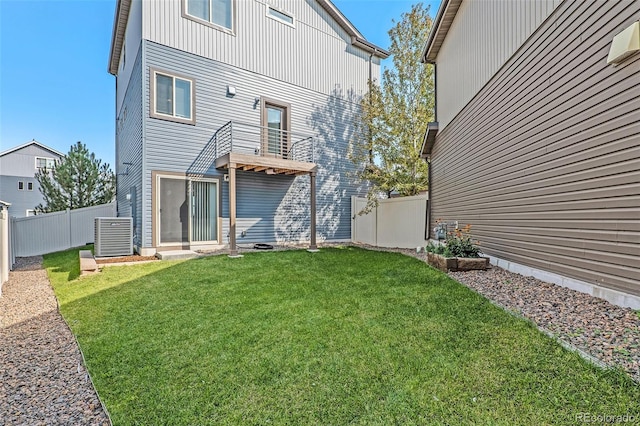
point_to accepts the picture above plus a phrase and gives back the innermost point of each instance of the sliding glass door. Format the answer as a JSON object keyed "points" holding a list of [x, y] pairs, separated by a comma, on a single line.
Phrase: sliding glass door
{"points": [[174, 217], [204, 211], [188, 210]]}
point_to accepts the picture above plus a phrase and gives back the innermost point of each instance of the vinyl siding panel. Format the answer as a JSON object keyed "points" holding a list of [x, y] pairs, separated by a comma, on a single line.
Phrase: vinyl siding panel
{"points": [[129, 150], [22, 162], [20, 166], [545, 161], [304, 55], [130, 52], [270, 208], [20, 200], [483, 36]]}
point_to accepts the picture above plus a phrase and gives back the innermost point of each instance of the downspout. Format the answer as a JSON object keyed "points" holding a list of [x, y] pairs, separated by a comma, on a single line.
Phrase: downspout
{"points": [[370, 86], [428, 233], [435, 92], [435, 118]]}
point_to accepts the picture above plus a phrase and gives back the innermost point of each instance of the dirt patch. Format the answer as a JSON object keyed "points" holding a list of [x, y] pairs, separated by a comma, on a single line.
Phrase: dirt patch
{"points": [[122, 259]]}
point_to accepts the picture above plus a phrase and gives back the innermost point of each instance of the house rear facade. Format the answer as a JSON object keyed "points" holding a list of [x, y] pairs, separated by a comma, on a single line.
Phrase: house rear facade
{"points": [[229, 113], [18, 167], [537, 140]]}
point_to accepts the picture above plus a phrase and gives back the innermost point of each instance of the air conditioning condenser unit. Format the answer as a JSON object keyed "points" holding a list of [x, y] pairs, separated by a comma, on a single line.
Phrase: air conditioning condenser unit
{"points": [[113, 236]]}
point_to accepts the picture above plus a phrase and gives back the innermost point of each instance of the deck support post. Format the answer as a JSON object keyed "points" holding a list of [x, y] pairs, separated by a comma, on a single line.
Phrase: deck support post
{"points": [[233, 249], [312, 177]]}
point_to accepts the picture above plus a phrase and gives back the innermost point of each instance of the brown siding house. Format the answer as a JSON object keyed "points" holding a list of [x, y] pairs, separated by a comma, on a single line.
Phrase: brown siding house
{"points": [[543, 156]]}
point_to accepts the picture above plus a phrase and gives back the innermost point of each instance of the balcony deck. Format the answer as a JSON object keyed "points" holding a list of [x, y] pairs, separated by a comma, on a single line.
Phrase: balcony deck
{"points": [[269, 165], [248, 147]]}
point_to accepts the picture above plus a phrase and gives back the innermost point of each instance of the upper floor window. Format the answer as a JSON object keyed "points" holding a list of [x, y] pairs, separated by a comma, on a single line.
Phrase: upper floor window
{"points": [[216, 12], [20, 186], [45, 163], [30, 186], [279, 15], [172, 97]]}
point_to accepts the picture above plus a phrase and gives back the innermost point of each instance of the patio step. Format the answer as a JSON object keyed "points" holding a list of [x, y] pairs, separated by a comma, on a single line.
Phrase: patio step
{"points": [[176, 255], [88, 264]]}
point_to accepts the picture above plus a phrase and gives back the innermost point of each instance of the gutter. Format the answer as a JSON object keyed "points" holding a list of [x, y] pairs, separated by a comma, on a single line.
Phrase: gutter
{"points": [[117, 36], [369, 47], [442, 23], [434, 30]]}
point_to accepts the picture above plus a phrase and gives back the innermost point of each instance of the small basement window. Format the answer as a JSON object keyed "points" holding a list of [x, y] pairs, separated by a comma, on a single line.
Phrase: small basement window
{"points": [[280, 15]]}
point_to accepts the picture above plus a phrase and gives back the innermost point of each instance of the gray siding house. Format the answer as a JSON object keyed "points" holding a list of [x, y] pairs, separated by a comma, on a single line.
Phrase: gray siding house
{"points": [[18, 184], [537, 140], [234, 118]]}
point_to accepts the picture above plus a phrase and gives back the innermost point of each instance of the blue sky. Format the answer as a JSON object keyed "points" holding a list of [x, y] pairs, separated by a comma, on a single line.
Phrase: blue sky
{"points": [[54, 84]]}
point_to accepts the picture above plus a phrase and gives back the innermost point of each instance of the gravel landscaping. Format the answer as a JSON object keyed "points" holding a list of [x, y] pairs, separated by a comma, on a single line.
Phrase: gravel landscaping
{"points": [[43, 380]]}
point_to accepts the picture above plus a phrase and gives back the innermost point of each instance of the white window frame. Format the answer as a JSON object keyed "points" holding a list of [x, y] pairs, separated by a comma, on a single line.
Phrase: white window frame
{"points": [[153, 72], [49, 163], [29, 186], [20, 183], [231, 31], [269, 8], [30, 212]]}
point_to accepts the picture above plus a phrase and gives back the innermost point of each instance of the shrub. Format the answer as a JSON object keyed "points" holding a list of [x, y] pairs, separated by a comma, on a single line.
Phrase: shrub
{"points": [[457, 244]]}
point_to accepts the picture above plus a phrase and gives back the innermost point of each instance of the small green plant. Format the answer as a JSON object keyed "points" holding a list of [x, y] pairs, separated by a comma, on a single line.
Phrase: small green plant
{"points": [[435, 248], [459, 244]]}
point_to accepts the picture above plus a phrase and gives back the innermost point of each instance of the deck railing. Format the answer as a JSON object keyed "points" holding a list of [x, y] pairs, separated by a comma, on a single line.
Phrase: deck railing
{"points": [[263, 141]]}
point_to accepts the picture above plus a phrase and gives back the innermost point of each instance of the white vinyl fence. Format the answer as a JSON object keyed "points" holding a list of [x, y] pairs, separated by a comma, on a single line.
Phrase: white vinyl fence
{"points": [[5, 255], [396, 222], [46, 233]]}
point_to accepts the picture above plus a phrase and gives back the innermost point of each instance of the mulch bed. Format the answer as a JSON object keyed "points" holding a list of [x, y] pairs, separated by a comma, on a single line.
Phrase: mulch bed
{"points": [[123, 259]]}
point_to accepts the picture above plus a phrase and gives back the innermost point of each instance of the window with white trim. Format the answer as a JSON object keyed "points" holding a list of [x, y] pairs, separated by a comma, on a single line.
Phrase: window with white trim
{"points": [[45, 163], [172, 97], [30, 212], [215, 12], [280, 15], [20, 186], [30, 186]]}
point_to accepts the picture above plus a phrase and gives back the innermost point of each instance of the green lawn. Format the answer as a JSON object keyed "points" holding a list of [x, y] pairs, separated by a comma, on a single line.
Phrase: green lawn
{"points": [[344, 336]]}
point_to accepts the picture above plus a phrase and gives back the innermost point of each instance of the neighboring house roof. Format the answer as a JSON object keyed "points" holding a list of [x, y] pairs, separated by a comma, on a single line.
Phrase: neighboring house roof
{"points": [[122, 16], [33, 142], [443, 21]]}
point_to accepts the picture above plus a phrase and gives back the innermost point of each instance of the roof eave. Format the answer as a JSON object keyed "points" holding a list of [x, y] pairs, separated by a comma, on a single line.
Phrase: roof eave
{"points": [[33, 142], [370, 47], [429, 139], [117, 37], [357, 39], [442, 23]]}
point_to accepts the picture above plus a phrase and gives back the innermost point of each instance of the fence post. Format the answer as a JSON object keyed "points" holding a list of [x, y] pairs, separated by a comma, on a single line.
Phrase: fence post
{"points": [[68, 213], [12, 242], [5, 262]]}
